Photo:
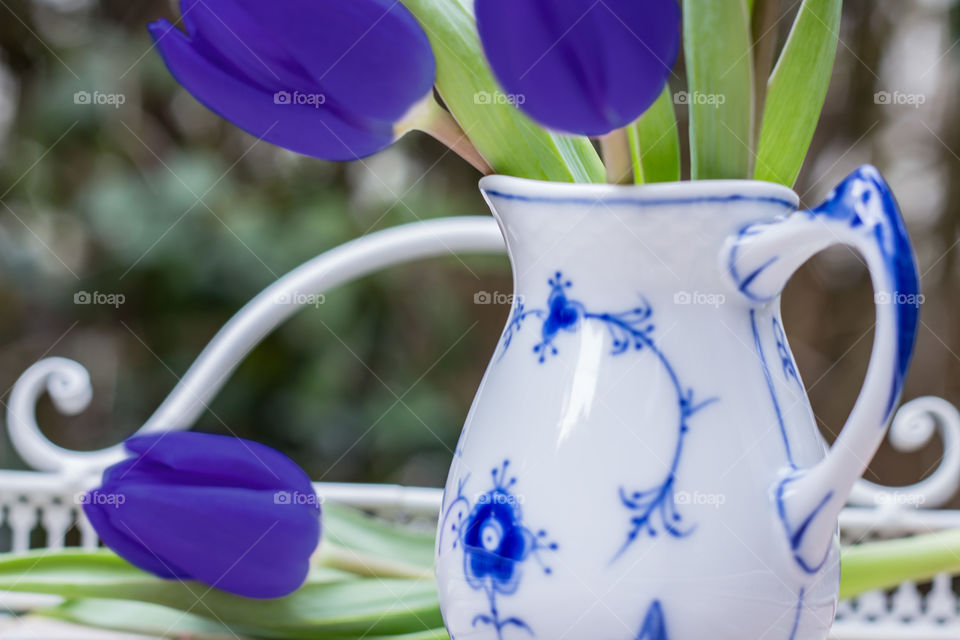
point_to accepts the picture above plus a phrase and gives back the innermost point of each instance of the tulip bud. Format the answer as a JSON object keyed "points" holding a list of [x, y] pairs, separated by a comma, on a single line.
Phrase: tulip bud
{"points": [[324, 78], [231, 513], [581, 66]]}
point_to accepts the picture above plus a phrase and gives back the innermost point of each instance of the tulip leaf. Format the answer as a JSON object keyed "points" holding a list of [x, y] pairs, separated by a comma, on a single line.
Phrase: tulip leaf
{"points": [[139, 617], [888, 563], [510, 141], [717, 42], [655, 142], [330, 605], [156, 621], [796, 91], [378, 546]]}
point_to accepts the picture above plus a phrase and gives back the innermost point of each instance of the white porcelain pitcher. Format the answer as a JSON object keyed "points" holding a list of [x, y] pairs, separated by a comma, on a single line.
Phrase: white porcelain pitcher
{"points": [[641, 461]]}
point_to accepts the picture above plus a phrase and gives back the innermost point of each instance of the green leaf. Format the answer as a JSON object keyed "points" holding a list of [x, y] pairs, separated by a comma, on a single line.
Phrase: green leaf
{"points": [[716, 36], [796, 91], [882, 565], [332, 604], [154, 620], [655, 142], [139, 617], [510, 141], [355, 541]]}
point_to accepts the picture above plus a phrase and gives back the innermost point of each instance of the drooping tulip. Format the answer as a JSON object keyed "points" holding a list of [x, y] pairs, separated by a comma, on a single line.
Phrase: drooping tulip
{"points": [[324, 78], [581, 66], [234, 514]]}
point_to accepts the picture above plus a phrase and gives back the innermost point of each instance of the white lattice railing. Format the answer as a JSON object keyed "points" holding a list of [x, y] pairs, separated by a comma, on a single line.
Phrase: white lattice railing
{"points": [[39, 508]]}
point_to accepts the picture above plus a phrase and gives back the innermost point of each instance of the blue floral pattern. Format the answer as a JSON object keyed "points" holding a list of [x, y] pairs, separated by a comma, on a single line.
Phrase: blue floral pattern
{"points": [[654, 625], [654, 508], [496, 544]]}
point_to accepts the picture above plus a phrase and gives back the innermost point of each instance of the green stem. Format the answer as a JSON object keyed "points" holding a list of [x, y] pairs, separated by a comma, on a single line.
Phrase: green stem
{"points": [[882, 565], [431, 118], [615, 150]]}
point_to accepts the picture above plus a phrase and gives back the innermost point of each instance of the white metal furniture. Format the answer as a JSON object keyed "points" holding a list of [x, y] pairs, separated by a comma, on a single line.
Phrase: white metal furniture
{"points": [[39, 508]]}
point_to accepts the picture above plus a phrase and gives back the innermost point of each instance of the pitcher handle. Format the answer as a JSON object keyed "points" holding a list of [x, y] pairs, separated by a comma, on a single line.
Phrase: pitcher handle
{"points": [[862, 213]]}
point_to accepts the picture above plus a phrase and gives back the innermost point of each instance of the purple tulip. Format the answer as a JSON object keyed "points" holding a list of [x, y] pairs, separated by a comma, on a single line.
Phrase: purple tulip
{"points": [[325, 78], [231, 513], [581, 66]]}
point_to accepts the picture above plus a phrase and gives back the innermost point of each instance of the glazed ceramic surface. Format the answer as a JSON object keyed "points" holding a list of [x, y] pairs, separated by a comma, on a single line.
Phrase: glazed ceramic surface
{"points": [[641, 460]]}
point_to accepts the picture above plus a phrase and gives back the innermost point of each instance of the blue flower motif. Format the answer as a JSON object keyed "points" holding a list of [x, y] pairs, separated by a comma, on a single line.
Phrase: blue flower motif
{"points": [[581, 66], [231, 513], [563, 314], [324, 78], [495, 544]]}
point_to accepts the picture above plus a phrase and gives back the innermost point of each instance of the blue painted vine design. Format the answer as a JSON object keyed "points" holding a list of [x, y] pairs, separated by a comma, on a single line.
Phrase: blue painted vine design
{"points": [[786, 360], [496, 544], [653, 509]]}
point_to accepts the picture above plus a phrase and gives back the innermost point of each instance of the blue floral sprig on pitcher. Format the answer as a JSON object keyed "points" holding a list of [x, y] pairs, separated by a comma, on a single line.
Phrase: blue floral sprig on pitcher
{"points": [[495, 542], [653, 509]]}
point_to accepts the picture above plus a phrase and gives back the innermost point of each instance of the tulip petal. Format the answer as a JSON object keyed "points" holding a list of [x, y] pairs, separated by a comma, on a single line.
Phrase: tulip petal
{"points": [[204, 459], [121, 542], [315, 130], [227, 36], [581, 66], [236, 540], [370, 56]]}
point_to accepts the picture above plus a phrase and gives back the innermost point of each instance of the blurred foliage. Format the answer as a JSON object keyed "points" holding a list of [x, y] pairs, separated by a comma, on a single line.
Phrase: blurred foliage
{"points": [[188, 218], [159, 201]]}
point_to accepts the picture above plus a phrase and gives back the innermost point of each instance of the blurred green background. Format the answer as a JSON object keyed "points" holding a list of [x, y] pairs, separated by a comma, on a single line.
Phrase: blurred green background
{"points": [[186, 217]]}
